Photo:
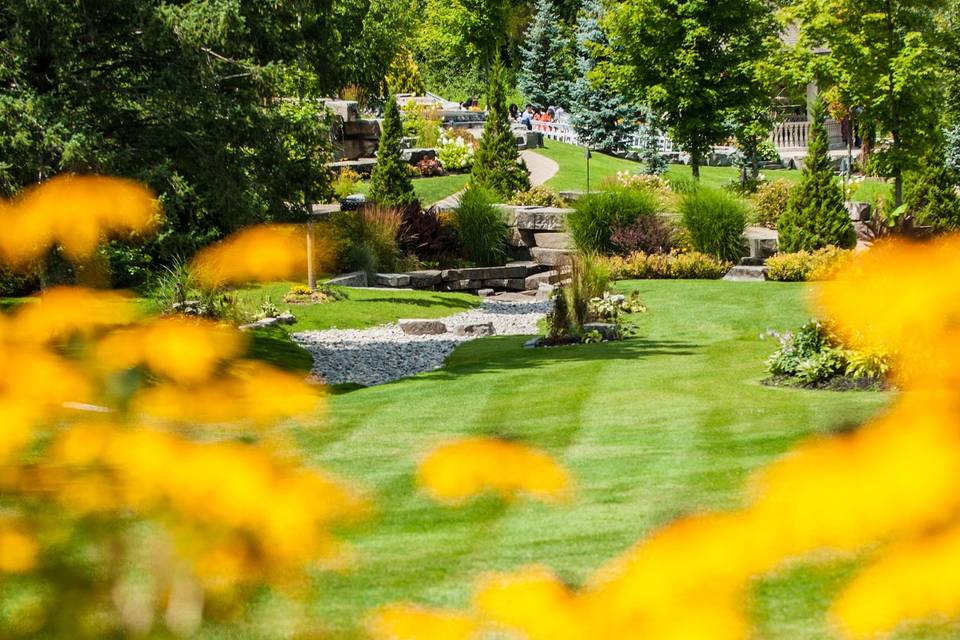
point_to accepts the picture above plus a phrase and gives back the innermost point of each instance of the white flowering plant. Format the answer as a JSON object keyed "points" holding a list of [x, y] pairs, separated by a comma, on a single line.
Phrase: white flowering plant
{"points": [[455, 153]]}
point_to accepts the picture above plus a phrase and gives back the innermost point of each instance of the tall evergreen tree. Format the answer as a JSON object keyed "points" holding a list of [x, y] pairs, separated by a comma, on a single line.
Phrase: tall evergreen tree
{"points": [[497, 165], [931, 194], [604, 120], [390, 183], [544, 76], [816, 216]]}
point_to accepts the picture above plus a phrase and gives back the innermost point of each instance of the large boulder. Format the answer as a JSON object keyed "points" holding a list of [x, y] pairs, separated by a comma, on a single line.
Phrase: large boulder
{"points": [[352, 279], [425, 278], [392, 280], [550, 257], [417, 327], [553, 240]]}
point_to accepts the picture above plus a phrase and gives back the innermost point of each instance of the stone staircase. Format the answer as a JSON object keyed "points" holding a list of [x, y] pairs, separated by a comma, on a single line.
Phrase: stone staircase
{"points": [[747, 273]]}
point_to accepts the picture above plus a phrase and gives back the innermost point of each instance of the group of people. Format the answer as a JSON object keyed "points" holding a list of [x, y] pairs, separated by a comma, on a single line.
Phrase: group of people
{"points": [[535, 118]]}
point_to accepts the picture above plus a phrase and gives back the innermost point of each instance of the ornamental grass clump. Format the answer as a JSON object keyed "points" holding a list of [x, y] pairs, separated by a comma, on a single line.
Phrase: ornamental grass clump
{"points": [[596, 217], [481, 227], [715, 221]]}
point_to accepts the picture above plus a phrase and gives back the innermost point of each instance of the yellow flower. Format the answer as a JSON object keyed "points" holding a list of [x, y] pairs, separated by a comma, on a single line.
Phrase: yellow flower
{"points": [[412, 622], [18, 552], [248, 391], [184, 350], [75, 212], [63, 311], [263, 253], [463, 469]]}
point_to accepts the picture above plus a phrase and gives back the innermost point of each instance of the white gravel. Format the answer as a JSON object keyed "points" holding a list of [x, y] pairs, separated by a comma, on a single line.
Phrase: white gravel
{"points": [[382, 354]]}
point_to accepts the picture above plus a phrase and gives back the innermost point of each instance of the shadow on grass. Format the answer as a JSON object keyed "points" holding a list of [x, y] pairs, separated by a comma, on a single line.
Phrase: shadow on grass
{"points": [[433, 301]]}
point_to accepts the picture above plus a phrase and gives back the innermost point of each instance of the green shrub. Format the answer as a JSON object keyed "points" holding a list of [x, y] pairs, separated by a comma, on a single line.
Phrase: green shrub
{"points": [[815, 354], [345, 183], [541, 196], [368, 239], [931, 195], [770, 201], [18, 283], [690, 265], [716, 221], [390, 183], [803, 266], [815, 216], [481, 227], [497, 165], [455, 152], [597, 216], [359, 257]]}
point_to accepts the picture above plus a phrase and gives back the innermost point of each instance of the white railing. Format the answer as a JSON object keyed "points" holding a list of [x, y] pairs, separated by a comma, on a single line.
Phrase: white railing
{"points": [[791, 136]]}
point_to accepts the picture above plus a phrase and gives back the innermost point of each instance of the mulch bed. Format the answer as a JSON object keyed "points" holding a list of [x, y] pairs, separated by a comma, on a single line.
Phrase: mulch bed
{"points": [[838, 383]]}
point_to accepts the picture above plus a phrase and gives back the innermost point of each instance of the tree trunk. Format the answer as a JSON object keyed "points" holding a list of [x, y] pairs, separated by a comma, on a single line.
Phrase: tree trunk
{"points": [[695, 165]]}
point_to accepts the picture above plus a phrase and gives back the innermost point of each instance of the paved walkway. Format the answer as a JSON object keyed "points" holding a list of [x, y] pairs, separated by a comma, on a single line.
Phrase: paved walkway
{"points": [[541, 169]]}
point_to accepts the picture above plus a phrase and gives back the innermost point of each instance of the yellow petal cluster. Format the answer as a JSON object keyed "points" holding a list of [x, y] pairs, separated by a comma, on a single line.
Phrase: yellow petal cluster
{"points": [[412, 622], [270, 516], [75, 212], [257, 254], [463, 469], [247, 391], [18, 551], [182, 349], [62, 312]]}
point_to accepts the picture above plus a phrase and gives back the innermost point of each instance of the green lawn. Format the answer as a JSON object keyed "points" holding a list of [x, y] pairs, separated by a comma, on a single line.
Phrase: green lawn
{"points": [[573, 168], [431, 190], [667, 423]]}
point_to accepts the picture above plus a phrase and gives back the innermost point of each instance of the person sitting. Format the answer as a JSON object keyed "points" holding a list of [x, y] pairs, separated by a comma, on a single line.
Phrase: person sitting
{"points": [[514, 111], [526, 118]]}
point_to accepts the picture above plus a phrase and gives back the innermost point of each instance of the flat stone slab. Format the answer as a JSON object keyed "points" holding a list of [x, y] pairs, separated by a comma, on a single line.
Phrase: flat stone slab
{"points": [[477, 329], [415, 327], [535, 218], [520, 238], [530, 266], [352, 279], [545, 277], [553, 240], [544, 292], [513, 284], [484, 273], [460, 285], [413, 156], [746, 274], [392, 280], [550, 257], [425, 278]]}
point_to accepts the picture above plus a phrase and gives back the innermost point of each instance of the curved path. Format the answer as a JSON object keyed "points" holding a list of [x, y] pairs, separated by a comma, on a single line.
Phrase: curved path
{"points": [[541, 169]]}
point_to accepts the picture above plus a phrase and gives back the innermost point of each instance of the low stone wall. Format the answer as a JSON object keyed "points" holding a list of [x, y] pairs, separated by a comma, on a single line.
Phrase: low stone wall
{"points": [[514, 276]]}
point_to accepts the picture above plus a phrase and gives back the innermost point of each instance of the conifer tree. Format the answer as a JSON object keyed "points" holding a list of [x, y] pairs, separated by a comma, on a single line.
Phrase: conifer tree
{"points": [[604, 120], [816, 216], [932, 194], [496, 165], [390, 183], [544, 77]]}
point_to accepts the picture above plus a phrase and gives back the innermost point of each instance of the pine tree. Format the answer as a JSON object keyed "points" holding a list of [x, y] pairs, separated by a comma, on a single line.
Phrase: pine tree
{"points": [[816, 216], [390, 183], [932, 194], [604, 119], [544, 77], [496, 165]]}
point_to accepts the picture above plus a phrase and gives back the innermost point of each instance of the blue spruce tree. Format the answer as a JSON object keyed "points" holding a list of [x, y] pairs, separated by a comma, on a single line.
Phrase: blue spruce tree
{"points": [[603, 119], [544, 76]]}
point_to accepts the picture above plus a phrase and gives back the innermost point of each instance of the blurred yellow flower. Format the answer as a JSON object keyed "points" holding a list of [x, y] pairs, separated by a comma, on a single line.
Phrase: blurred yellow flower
{"points": [[18, 551], [463, 469], [75, 212], [412, 622], [63, 311], [263, 253], [185, 350], [247, 391]]}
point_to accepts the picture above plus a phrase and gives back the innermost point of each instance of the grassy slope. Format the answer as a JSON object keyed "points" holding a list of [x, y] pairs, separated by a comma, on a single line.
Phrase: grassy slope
{"points": [[573, 169], [654, 427], [431, 190], [573, 172]]}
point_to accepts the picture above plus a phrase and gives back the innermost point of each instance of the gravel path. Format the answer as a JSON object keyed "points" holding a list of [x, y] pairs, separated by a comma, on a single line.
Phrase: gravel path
{"points": [[382, 354]]}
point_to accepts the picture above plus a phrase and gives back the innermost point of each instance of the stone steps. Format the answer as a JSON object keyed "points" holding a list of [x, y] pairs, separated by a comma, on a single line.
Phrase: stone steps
{"points": [[746, 273]]}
